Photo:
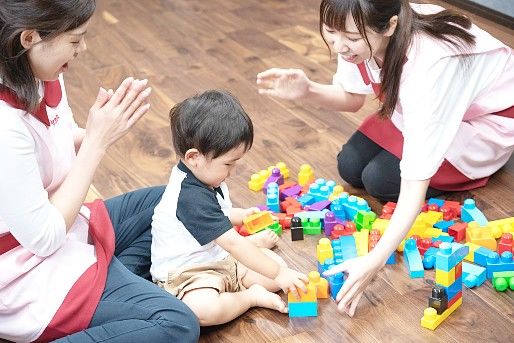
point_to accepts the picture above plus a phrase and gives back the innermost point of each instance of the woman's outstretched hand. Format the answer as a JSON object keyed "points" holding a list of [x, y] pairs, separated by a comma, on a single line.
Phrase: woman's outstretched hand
{"points": [[359, 272], [290, 84], [114, 113]]}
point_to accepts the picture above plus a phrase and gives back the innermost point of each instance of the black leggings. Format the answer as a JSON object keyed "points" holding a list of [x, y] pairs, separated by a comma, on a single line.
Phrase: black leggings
{"points": [[364, 164]]}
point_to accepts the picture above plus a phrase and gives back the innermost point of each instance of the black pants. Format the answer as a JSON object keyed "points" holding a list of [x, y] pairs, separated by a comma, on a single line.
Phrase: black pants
{"points": [[364, 164]]}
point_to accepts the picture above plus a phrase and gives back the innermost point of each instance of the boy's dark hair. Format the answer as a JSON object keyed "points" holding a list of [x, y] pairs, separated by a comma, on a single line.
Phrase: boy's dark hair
{"points": [[49, 18], [214, 122], [447, 26]]}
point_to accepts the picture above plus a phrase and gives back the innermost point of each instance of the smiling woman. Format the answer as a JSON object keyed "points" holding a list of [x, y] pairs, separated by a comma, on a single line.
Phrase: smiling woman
{"points": [[70, 271], [446, 120]]}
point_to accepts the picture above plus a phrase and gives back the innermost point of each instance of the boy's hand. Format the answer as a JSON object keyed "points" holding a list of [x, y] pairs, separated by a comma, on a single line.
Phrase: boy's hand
{"points": [[249, 211], [290, 280]]}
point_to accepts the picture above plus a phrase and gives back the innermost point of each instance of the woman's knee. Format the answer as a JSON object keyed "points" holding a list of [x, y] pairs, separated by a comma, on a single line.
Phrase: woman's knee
{"points": [[379, 183], [349, 167]]}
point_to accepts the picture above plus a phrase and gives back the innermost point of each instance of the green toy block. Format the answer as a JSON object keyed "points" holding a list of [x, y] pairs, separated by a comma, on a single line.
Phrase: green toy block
{"points": [[364, 219], [276, 228]]}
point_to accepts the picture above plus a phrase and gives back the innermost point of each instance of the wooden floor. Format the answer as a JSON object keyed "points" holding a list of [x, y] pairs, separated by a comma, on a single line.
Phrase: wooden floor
{"points": [[187, 46]]}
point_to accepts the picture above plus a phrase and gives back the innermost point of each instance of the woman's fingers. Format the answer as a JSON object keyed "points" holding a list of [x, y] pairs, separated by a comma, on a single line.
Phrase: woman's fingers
{"points": [[141, 99], [270, 74], [338, 268], [137, 115], [132, 95], [354, 304], [120, 93]]}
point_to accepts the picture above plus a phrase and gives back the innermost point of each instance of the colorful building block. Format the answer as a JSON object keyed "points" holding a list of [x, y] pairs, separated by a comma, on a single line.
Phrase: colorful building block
{"points": [[324, 250], [458, 231], [470, 212], [361, 242], [412, 259], [499, 263], [482, 236], [505, 243], [296, 229], [283, 169], [503, 280], [431, 319], [473, 275], [449, 255], [320, 283], [257, 221], [305, 175]]}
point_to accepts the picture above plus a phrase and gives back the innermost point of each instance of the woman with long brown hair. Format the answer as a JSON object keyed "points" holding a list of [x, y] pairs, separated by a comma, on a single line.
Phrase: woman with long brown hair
{"points": [[446, 121], [70, 271]]}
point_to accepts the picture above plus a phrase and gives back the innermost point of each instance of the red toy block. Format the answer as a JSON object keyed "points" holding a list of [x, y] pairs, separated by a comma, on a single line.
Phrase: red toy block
{"points": [[458, 271], [284, 220], [455, 298], [423, 245], [451, 208], [505, 243], [374, 237], [241, 229], [458, 231], [433, 207], [387, 210], [292, 210], [288, 202]]}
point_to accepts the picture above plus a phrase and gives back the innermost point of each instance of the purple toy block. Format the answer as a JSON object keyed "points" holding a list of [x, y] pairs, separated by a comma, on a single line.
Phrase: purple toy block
{"points": [[291, 192], [275, 177], [329, 222], [320, 205]]}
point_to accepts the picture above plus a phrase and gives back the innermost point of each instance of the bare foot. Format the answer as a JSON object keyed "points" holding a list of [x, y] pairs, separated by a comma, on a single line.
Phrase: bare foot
{"points": [[264, 239], [264, 298]]}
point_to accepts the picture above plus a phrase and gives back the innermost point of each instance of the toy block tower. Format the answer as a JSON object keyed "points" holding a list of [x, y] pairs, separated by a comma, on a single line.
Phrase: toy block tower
{"points": [[447, 293]]}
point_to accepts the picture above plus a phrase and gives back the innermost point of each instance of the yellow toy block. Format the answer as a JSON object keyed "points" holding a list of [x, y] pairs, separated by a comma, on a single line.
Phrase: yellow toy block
{"points": [[380, 225], [481, 235], [361, 241], [445, 279], [283, 169], [472, 248], [256, 182], [432, 217], [501, 226], [320, 283], [305, 175], [338, 190], [310, 296], [257, 221], [431, 319], [324, 250]]}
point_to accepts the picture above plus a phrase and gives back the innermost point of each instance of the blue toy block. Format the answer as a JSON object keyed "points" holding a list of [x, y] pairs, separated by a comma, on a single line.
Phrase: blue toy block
{"points": [[272, 197], [453, 289], [447, 239], [449, 255], [335, 283], [303, 309], [392, 258], [329, 263], [324, 193], [412, 259], [470, 212], [429, 258], [331, 184], [497, 263], [306, 200], [444, 225], [438, 202], [352, 205], [473, 275], [312, 214], [348, 247], [481, 255], [338, 209]]}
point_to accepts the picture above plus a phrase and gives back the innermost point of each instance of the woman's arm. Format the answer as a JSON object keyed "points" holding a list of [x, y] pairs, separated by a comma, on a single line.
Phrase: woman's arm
{"points": [[293, 84], [361, 270], [109, 119]]}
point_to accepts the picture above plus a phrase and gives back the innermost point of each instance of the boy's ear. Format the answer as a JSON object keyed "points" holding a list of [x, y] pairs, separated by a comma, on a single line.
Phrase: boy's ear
{"points": [[28, 38], [192, 156]]}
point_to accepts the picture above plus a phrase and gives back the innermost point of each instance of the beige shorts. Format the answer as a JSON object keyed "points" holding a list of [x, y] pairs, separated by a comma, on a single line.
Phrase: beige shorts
{"points": [[224, 276]]}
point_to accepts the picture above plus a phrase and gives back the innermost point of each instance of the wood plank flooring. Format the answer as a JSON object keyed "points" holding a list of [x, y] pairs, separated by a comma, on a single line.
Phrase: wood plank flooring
{"points": [[187, 46]]}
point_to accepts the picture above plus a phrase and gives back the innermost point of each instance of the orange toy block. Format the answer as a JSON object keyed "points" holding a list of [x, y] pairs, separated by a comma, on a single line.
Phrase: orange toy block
{"points": [[310, 296], [481, 235], [257, 221], [320, 283]]}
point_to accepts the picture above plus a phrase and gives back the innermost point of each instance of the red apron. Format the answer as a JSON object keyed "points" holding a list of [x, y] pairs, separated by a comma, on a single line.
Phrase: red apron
{"points": [[384, 133]]}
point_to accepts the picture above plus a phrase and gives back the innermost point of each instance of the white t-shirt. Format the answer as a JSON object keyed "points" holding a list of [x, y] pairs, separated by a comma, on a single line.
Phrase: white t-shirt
{"points": [[443, 106]]}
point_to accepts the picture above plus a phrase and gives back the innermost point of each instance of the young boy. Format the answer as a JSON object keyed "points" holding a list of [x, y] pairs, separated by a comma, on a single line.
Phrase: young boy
{"points": [[196, 254]]}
